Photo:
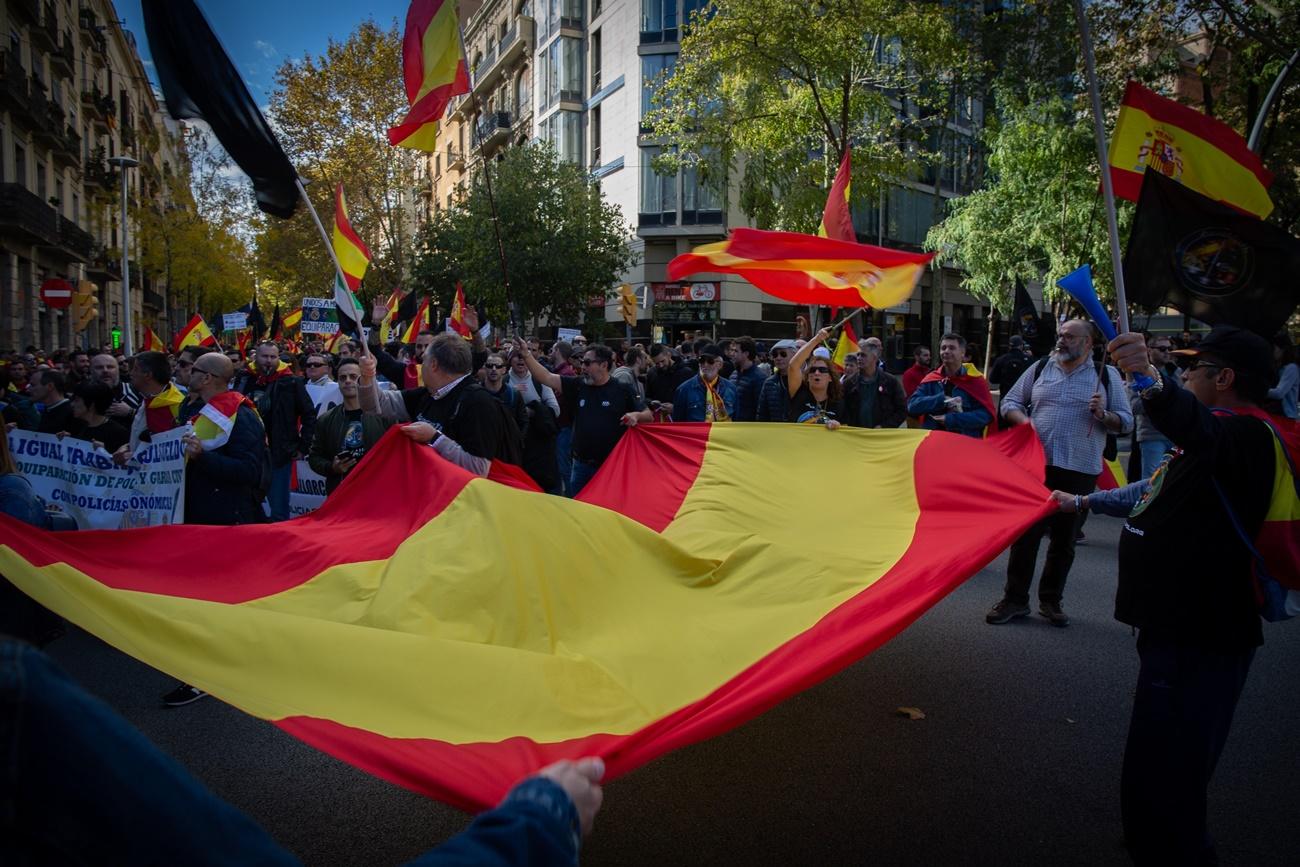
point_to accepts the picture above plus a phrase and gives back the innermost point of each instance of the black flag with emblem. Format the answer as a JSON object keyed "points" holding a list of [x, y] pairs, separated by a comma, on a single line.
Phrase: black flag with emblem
{"points": [[1210, 261]]}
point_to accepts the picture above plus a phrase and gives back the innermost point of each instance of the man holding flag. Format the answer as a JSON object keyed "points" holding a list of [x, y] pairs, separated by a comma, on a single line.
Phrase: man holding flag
{"points": [[950, 398]]}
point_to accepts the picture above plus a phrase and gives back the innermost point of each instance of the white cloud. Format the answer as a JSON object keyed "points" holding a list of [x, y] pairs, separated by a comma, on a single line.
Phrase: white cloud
{"points": [[267, 49]]}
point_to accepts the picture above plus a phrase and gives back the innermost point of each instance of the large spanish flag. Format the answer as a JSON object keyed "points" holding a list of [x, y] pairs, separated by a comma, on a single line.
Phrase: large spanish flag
{"points": [[483, 630], [353, 254], [433, 70], [1202, 153], [807, 269]]}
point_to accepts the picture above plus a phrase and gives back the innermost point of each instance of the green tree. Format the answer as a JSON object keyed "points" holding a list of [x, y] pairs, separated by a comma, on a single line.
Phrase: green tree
{"points": [[332, 113], [563, 242], [779, 91]]}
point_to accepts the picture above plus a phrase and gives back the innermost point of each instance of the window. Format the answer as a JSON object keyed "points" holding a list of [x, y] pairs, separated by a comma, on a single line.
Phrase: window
{"points": [[690, 7], [658, 192], [595, 61], [701, 192], [658, 21], [20, 164], [655, 69], [595, 9], [40, 180], [595, 136], [562, 71], [437, 165], [563, 129], [523, 99], [571, 13]]}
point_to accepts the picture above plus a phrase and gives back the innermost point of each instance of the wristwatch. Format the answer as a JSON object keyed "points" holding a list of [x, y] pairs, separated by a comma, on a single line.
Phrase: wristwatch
{"points": [[1156, 387]]}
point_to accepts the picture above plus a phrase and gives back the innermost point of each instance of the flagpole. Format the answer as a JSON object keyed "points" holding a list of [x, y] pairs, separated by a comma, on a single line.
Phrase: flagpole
{"points": [[320, 227], [1257, 132], [1107, 189]]}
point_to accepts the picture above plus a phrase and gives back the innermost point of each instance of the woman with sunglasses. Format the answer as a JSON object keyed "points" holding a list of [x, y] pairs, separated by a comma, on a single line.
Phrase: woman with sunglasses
{"points": [[815, 396]]}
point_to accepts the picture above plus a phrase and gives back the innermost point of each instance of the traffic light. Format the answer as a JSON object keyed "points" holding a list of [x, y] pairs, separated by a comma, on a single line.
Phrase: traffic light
{"points": [[85, 305], [627, 304], [117, 338]]}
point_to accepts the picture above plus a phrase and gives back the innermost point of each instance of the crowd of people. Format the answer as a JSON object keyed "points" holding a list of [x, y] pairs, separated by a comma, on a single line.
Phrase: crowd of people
{"points": [[559, 411]]}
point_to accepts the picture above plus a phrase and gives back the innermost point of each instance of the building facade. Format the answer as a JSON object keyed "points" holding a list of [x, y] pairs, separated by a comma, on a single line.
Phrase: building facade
{"points": [[75, 94]]}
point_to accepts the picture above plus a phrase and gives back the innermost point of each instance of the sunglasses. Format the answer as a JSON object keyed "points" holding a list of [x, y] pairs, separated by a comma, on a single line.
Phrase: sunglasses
{"points": [[780, 354], [317, 364], [825, 370], [709, 359], [494, 366], [1197, 365]]}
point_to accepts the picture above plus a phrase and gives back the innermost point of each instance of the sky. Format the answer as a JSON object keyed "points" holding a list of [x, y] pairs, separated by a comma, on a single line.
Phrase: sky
{"points": [[259, 35]]}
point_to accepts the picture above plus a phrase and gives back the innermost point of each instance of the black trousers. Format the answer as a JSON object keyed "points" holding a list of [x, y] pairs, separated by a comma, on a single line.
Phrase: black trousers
{"points": [[1182, 711], [1060, 530]]}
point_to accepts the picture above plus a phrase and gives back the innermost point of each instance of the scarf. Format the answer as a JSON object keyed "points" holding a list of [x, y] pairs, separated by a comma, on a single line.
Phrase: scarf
{"points": [[263, 380], [975, 385], [216, 419], [715, 408], [162, 410]]}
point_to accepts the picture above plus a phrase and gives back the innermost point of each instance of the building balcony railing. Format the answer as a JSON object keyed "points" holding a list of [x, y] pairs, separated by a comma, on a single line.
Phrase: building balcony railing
{"points": [[517, 41], [67, 150], [103, 266], [492, 128], [153, 300], [45, 35], [97, 176], [74, 240], [455, 159], [24, 216], [49, 130], [64, 57], [16, 88], [128, 137], [26, 9]]}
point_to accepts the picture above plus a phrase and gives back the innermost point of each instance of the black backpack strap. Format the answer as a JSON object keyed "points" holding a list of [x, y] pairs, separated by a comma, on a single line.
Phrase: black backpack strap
{"points": [[1038, 371]]}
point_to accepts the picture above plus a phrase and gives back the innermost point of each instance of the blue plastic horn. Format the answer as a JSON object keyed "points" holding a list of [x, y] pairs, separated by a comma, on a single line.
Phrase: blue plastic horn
{"points": [[1079, 284]]}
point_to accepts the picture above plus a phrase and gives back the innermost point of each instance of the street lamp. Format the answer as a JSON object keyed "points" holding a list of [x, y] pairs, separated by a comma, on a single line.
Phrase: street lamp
{"points": [[128, 332]]}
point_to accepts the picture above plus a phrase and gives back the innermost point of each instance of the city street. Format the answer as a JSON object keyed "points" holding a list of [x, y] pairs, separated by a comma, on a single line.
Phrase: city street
{"points": [[1016, 761]]}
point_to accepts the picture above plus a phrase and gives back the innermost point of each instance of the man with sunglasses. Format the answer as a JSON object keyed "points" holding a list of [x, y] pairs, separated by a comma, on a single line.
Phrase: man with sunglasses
{"points": [[494, 383], [708, 396], [774, 396], [601, 408]]}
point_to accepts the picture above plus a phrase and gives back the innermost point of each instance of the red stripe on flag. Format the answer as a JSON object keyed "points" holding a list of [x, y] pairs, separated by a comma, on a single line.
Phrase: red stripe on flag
{"points": [[671, 455]]}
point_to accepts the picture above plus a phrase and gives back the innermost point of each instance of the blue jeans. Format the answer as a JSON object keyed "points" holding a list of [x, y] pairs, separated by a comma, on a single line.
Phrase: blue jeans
{"points": [[77, 778], [1152, 452], [580, 475], [278, 496], [564, 457], [1182, 711]]}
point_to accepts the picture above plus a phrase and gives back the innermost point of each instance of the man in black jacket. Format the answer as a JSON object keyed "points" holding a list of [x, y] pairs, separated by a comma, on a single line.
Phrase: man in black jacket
{"points": [[1186, 583], [874, 397], [289, 416], [667, 372]]}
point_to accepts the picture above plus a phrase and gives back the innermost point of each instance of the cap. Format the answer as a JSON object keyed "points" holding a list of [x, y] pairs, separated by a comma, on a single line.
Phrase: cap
{"points": [[822, 352], [787, 345], [1017, 341], [712, 350], [1244, 351]]}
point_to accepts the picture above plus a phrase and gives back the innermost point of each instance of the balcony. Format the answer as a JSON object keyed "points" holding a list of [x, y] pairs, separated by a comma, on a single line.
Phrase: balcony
{"points": [[49, 129], [128, 137], [97, 176], [151, 298], [45, 35], [64, 58], [99, 109], [74, 240], [493, 128], [101, 266], [24, 216], [67, 151], [455, 159], [517, 41], [15, 89]]}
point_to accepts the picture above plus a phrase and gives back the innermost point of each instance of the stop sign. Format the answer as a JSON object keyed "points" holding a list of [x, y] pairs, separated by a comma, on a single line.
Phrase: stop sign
{"points": [[56, 293]]}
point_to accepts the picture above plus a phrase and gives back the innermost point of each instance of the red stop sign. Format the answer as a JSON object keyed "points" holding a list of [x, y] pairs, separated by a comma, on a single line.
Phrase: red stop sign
{"points": [[56, 293]]}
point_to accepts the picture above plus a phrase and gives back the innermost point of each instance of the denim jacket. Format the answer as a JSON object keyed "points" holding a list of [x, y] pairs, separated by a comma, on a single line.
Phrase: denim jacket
{"points": [[691, 399]]}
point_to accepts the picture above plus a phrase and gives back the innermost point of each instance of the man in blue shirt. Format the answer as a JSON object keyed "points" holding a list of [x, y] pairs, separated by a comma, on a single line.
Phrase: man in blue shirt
{"points": [[949, 398]]}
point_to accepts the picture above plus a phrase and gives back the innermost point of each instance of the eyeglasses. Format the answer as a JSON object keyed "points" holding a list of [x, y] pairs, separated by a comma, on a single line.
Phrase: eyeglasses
{"points": [[1197, 365], [709, 359], [780, 353], [825, 370], [317, 364], [494, 366]]}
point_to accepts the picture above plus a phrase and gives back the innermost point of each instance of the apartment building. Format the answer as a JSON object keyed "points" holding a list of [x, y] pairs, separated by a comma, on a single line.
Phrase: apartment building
{"points": [[586, 86], [74, 94]]}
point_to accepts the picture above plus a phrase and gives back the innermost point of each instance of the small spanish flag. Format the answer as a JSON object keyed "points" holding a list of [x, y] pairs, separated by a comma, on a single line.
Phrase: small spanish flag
{"points": [[807, 269], [433, 70], [292, 319], [418, 324], [1196, 150], [152, 341], [847, 346], [457, 321], [353, 254], [195, 333]]}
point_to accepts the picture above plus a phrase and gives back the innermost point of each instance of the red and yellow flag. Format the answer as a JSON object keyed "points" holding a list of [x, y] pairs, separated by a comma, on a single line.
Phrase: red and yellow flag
{"points": [[807, 269], [1202, 153], [351, 251], [292, 320], [847, 346], [152, 341], [386, 324], [195, 333], [457, 319], [433, 70], [418, 324], [695, 610], [837, 222]]}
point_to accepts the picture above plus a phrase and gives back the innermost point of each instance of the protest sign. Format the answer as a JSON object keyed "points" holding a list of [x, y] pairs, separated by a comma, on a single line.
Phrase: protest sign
{"points": [[568, 334], [234, 321], [319, 316], [308, 490], [83, 483]]}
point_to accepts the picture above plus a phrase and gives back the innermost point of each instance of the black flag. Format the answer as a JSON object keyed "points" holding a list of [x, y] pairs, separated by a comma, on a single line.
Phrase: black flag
{"points": [[1026, 314], [277, 324], [256, 322], [1210, 261], [200, 83]]}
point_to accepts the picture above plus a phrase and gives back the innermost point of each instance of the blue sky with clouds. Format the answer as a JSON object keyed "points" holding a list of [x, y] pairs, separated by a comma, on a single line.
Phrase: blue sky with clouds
{"points": [[259, 35]]}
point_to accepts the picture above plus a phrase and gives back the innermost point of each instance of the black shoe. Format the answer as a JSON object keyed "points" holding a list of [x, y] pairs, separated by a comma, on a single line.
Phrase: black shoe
{"points": [[182, 695], [1005, 611], [1052, 611], [1079, 538]]}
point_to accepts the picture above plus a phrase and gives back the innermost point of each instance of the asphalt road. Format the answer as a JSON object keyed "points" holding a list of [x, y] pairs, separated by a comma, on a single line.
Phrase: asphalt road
{"points": [[1017, 760]]}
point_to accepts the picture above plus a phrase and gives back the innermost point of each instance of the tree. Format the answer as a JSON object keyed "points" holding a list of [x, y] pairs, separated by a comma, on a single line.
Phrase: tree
{"points": [[564, 243], [781, 91], [332, 113]]}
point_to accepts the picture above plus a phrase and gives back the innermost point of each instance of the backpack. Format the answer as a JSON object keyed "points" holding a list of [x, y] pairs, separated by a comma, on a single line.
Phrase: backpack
{"points": [[1111, 449]]}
